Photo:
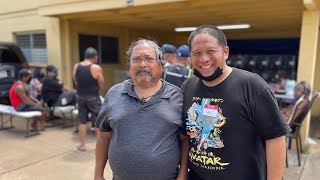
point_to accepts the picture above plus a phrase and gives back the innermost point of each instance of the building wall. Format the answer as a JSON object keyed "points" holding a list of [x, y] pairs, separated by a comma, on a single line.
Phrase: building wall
{"points": [[126, 36], [94, 29], [62, 40], [315, 113], [62, 35], [29, 21], [17, 5]]}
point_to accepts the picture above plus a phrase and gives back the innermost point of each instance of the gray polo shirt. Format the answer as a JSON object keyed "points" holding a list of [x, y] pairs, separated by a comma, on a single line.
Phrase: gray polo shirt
{"points": [[144, 143]]}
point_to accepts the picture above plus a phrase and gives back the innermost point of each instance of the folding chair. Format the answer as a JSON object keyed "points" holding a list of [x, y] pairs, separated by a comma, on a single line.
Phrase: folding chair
{"points": [[296, 124]]}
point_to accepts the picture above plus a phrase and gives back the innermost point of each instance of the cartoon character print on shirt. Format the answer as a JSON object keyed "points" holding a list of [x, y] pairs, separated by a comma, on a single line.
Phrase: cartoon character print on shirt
{"points": [[203, 126]]}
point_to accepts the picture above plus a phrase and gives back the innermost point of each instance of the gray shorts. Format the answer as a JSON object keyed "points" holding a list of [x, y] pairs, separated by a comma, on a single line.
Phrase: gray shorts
{"points": [[88, 105], [25, 107]]}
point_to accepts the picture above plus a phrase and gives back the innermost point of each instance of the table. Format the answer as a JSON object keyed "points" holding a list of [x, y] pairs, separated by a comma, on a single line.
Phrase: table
{"points": [[284, 98]]}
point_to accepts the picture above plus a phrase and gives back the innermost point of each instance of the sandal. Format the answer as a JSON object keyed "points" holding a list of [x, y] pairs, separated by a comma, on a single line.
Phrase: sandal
{"points": [[81, 148]]}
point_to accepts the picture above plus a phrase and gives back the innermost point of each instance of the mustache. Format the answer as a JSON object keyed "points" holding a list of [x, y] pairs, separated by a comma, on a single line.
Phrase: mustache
{"points": [[142, 71]]}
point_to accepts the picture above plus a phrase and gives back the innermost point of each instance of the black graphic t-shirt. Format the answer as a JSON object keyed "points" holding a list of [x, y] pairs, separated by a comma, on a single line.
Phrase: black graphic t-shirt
{"points": [[228, 125]]}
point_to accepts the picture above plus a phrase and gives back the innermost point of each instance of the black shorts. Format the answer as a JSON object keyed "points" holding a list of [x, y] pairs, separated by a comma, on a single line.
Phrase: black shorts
{"points": [[88, 105]]}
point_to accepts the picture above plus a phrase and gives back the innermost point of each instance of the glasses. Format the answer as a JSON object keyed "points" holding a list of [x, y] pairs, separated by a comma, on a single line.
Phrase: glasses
{"points": [[147, 59]]}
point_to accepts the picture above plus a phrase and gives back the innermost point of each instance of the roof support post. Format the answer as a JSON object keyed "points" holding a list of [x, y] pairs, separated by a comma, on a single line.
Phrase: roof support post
{"points": [[308, 55]]}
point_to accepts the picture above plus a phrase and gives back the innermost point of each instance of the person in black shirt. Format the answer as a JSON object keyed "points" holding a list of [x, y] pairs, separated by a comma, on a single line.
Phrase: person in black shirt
{"points": [[169, 54], [235, 127], [89, 80], [54, 91], [178, 72]]}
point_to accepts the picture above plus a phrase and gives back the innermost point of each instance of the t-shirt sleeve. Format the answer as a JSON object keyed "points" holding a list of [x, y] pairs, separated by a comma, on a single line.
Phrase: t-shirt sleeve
{"points": [[54, 84], [267, 117], [182, 129], [102, 121], [60, 85]]}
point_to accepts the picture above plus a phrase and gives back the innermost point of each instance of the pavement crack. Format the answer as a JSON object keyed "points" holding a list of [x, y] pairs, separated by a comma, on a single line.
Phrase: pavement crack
{"points": [[303, 166], [36, 162]]}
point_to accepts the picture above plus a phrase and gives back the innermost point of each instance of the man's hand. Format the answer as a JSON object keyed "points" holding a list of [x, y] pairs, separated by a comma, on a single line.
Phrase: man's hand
{"points": [[38, 103]]}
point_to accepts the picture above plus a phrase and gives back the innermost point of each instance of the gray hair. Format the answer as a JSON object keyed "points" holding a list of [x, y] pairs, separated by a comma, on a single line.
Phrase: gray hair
{"points": [[90, 53], [24, 73], [210, 30], [152, 43], [304, 87]]}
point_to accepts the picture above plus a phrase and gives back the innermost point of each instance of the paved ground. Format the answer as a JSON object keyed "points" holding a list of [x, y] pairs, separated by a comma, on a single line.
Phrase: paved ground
{"points": [[311, 168], [53, 156]]}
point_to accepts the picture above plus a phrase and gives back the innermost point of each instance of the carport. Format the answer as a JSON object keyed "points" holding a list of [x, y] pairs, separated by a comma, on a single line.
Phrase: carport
{"points": [[131, 19]]}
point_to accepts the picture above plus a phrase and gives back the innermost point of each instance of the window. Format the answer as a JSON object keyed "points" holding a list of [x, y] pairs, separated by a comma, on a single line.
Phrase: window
{"points": [[33, 46], [107, 47], [266, 65]]}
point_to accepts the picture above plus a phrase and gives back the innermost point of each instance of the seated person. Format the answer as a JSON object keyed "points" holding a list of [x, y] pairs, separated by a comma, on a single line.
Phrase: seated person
{"points": [[36, 83], [301, 90], [281, 78], [21, 99], [53, 90]]}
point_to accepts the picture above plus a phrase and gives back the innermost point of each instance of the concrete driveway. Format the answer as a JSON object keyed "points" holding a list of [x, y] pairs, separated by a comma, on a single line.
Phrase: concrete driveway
{"points": [[53, 156]]}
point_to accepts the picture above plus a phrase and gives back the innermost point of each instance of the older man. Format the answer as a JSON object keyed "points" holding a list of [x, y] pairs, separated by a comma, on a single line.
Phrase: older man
{"points": [[301, 94], [140, 122]]}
